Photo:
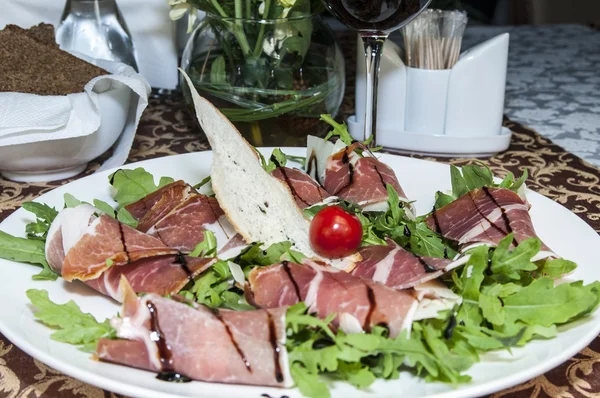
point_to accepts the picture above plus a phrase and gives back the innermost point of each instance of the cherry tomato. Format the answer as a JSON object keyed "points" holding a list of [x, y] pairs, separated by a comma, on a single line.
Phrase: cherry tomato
{"points": [[335, 233]]}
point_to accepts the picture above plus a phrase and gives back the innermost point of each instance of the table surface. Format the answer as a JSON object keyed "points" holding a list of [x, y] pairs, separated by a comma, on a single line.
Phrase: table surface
{"points": [[167, 129]]}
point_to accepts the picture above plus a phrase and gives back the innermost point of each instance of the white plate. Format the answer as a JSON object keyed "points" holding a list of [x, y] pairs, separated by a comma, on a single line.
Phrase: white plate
{"points": [[397, 141], [564, 232]]}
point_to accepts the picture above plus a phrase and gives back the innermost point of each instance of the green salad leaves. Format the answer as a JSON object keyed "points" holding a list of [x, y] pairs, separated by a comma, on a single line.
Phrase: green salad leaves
{"points": [[73, 325], [473, 176]]}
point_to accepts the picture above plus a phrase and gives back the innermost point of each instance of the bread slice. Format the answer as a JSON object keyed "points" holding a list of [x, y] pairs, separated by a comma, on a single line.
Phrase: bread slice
{"points": [[260, 207]]}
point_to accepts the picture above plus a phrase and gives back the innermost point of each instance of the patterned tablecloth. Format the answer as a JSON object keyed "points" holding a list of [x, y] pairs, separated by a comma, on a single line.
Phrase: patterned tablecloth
{"points": [[168, 129]]}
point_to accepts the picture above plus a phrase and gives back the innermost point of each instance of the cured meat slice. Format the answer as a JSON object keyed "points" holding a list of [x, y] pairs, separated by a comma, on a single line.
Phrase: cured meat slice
{"points": [[99, 250], [107, 243], [166, 197], [359, 304], [165, 335], [82, 246], [400, 269], [486, 216], [162, 275], [360, 179], [178, 216], [307, 192]]}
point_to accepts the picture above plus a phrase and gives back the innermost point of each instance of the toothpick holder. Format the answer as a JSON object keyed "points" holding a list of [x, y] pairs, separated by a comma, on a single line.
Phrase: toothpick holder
{"points": [[449, 112]]}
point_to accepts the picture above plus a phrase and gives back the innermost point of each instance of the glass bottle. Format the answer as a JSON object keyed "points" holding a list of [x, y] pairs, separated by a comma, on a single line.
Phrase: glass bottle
{"points": [[97, 29]]}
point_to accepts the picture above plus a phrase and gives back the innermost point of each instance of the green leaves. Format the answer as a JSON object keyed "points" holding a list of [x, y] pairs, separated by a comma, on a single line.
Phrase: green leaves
{"points": [[74, 326], [541, 303], [361, 358], [206, 248], [339, 130], [44, 217], [473, 176], [218, 74], [508, 301], [26, 251], [133, 185], [508, 265]]}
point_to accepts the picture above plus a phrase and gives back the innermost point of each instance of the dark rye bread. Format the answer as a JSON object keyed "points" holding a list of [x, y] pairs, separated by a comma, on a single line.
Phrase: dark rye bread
{"points": [[31, 62]]}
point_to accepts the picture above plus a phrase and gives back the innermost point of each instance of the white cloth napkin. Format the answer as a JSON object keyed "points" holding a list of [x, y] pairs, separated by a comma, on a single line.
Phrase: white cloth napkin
{"points": [[153, 33], [28, 118]]}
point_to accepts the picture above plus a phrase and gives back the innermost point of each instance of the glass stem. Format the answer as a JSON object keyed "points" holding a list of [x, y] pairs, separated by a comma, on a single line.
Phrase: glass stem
{"points": [[373, 51]]}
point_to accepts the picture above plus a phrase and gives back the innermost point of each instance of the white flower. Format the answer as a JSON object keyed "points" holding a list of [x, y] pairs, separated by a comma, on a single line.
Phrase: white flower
{"points": [[179, 8]]}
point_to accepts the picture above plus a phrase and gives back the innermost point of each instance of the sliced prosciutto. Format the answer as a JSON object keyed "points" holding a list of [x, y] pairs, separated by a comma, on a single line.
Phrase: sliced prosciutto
{"points": [[179, 337], [178, 216], [358, 178], [162, 275], [400, 269], [359, 304], [307, 192], [99, 250], [82, 246], [486, 216]]}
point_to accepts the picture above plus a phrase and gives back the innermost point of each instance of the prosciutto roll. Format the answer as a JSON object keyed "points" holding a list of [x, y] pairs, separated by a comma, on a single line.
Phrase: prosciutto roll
{"points": [[359, 304], [178, 216], [99, 250], [486, 216], [179, 337], [400, 269], [307, 192], [358, 178]]}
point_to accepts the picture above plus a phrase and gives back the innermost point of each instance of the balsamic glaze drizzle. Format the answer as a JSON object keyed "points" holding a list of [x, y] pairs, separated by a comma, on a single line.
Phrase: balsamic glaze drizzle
{"points": [[288, 271], [173, 377], [291, 186], [276, 350], [428, 268], [450, 328], [380, 177], [235, 344], [497, 228], [122, 235], [438, 229], [346, 160], [165, 355], [504, 215], [181, 260], [310, 163], [372, 307]]}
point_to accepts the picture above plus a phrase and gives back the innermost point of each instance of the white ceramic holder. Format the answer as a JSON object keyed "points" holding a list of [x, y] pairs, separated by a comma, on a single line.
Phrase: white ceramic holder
{"points": [[448, 112]]}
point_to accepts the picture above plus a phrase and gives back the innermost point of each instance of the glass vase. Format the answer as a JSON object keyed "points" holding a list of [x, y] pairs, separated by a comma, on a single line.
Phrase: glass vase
{"points": [[272, 78]]}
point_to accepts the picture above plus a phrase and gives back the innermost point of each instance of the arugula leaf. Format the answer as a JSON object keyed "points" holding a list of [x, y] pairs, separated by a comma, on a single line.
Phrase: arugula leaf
{"points": [[508, 265], [208, 246], [122, 215], [308, 383], [133, 185], [272, 255], [339, 130], [279, 159], [74, 326], [557, 268], [473, 176], [202, 183], [26, 251], [541, 303], [44, 217], [72, 201]]}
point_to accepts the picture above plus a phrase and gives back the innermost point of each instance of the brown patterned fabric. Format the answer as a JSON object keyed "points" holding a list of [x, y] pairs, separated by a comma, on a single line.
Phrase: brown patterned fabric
{"points": [[167, 129]]}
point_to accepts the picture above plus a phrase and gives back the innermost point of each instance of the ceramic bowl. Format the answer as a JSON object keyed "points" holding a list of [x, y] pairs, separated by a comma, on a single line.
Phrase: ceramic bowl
{"points": [[64, 158]]}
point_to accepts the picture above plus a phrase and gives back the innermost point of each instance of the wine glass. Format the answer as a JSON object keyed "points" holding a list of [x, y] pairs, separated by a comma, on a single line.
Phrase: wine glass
{"points": [[374, 20]]}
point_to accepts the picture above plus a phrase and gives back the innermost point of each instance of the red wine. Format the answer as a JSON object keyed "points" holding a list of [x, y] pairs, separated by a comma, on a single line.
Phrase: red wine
{"points": [[374, 16]]}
